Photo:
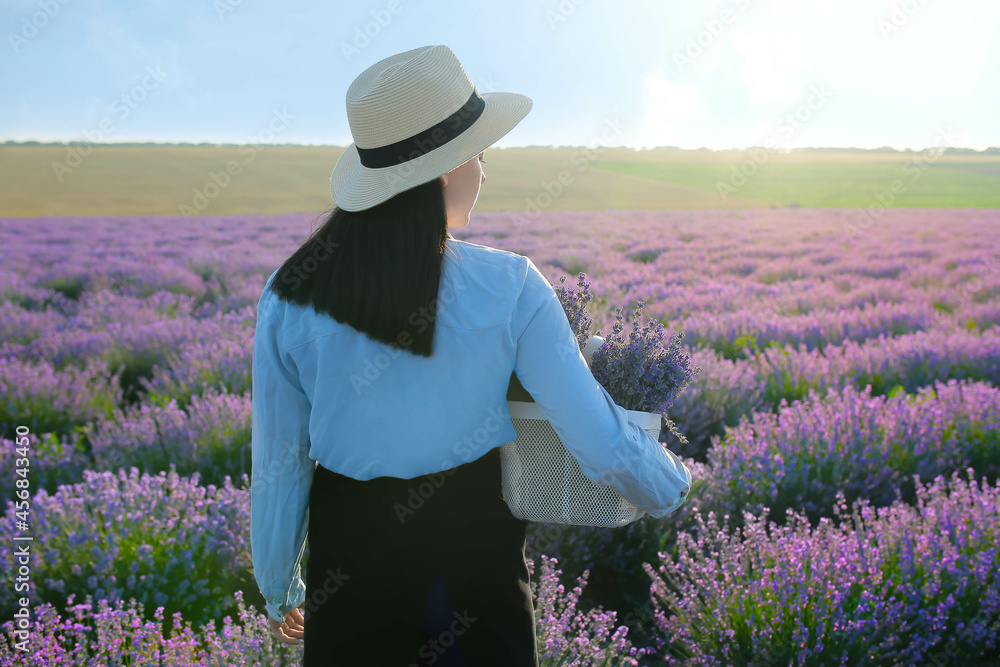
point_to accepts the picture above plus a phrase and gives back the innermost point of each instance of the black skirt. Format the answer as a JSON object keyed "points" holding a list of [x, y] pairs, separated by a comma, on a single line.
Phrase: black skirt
{"points": [[414, 572]]}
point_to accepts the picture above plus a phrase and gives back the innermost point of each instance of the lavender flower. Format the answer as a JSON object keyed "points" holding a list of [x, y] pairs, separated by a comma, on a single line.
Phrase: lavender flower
{"points": [[575, 302], [54, 461], [48, 400], [568, 636], [641, 372], [118, 634], [174, 528], [901, 585], [210, 436]]}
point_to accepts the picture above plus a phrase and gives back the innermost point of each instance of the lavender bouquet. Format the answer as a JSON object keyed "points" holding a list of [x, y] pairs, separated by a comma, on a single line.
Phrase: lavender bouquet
{"points": [[640, 371]]}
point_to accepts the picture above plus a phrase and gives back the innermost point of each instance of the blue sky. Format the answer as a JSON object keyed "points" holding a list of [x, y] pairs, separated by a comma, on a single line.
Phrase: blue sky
{"points": [[724, 74]]}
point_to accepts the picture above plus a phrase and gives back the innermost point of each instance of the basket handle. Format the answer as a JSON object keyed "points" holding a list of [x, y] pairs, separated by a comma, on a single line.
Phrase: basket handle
{"points": [[591, 347]]}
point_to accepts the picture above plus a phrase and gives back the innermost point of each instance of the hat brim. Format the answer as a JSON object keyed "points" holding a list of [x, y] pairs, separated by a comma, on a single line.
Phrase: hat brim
{"points": [[356, 187]]}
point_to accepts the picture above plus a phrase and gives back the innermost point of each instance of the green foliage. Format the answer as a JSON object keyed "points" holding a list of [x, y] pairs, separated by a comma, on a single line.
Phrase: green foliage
{"points": [[70, 286], [746, 342]]}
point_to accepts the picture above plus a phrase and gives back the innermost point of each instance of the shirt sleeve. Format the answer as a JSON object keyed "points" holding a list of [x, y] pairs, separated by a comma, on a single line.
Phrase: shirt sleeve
{"points": [[611, 450], [281, 470]]}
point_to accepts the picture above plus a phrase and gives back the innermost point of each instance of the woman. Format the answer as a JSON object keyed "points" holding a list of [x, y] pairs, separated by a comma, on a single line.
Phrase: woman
{"points": [[383, 354]]}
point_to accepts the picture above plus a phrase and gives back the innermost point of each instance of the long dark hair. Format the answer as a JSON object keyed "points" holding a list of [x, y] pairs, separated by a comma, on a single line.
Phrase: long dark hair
{"points": [[377, 270]]}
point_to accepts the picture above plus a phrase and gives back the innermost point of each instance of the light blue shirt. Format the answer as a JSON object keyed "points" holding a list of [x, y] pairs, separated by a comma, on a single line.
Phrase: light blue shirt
{"points": [[381, 411]]}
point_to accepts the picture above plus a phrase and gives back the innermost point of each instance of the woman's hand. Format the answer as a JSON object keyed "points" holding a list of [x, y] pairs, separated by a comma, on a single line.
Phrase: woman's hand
{"points": [[292, 630]]}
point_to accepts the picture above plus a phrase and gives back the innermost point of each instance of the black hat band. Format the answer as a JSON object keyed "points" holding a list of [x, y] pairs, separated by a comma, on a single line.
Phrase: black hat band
{"points": [[426, 141]]}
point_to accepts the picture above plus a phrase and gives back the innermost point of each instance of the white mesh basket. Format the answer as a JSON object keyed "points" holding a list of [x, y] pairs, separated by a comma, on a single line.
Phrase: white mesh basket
{"points": [[542, 481]]}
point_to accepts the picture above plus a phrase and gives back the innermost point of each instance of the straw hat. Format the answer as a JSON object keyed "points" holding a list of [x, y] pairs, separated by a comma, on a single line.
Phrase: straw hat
{"points": [[414, 116]]}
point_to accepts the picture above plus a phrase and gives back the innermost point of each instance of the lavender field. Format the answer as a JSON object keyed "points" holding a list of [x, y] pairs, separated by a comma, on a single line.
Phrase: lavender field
{"points": [[843, 435]]}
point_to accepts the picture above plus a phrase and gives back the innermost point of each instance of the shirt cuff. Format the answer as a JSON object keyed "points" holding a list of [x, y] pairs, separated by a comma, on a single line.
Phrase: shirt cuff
{"points": [[680, 499], [278, 609]]}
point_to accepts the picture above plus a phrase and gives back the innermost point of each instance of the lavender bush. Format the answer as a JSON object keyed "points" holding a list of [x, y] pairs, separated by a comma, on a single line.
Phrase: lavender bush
{"points": [[25, 296], [613, 557], [118, 328], [741, 334], [19, 325], [722, 393], [845, 442], [897, 585], [46, 400], [163, 540], [210, 436], [117, 634], [120, 634], [851, 442], [728, 390], [568, 636], [910, 361], [220, 363], [52, 461]]}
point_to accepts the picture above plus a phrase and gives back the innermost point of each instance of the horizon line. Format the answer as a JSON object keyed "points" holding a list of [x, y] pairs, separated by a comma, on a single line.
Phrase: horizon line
{"points": [[882, 149]]}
